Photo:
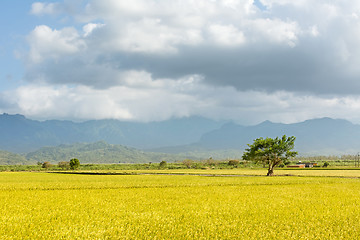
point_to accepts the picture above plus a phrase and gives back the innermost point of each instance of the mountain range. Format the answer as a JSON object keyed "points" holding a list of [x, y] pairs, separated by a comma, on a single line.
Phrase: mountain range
{"points": [[22, 135], [324, 136]]}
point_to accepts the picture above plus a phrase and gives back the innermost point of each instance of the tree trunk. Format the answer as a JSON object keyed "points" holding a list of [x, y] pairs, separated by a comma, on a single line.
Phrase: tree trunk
{"points": [[270, 170]]}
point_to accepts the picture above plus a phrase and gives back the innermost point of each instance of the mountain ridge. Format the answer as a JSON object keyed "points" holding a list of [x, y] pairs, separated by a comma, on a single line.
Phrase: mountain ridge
{"points": [[321, 136], [317, 136], [21, 135]]}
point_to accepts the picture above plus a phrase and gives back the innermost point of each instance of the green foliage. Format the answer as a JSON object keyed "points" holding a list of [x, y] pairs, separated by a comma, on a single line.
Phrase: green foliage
{"points": [[162, 164], [188, 163], [270, 151], [281, 165], [74, 163], [46, 165], [99, 152], [211, 162], [8, 158], [64, 165], [326, 164], [233, 162]]}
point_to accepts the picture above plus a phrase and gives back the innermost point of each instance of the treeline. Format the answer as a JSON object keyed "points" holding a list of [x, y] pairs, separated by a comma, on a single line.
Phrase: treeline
{"points": [[328, 158], [102, 152], [185, 164]]}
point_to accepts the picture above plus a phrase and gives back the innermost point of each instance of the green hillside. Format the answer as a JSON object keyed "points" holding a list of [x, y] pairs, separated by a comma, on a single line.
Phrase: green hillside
{"points": [[102, 152], [99, 152], [8, 158]]}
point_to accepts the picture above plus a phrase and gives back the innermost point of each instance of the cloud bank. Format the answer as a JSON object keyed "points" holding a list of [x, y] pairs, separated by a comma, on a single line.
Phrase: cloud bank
{"points": [[149, 60]]}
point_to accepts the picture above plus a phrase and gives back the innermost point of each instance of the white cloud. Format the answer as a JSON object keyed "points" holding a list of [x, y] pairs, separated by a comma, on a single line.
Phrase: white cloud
{"points": [[90, 27], [47, 43], [150, 35], [298, 3], [165, 98], [39, 8], [226, 35], [156, 59], [276, 31]]}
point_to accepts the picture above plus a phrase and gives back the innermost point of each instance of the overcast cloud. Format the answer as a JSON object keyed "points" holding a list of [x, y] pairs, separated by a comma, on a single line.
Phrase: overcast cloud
{"points": [[151, 60]]}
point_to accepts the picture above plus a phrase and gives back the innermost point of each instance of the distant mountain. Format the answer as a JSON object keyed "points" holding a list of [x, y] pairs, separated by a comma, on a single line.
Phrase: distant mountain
{"points": [[98, 152], [8, 158], [192, 137], [318, 136], [21, 135]]}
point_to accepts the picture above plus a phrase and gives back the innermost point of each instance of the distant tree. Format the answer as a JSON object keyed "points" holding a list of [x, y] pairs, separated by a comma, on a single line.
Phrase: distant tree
{"points": [[64, 165], [188, 163], [326, 164], [74, 163], [233, 162], [281, 165], [46, 165], [211, 162], [162, 164], [270, 151]]}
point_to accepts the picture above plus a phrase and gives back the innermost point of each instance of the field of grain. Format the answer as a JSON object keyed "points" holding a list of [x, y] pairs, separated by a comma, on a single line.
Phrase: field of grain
{"points": [[314, 172], [61, 206]]}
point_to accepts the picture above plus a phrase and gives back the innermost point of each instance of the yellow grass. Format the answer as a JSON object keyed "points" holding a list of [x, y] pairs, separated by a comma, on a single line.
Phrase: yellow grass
{"points": [[248, 172], [58, 206]]}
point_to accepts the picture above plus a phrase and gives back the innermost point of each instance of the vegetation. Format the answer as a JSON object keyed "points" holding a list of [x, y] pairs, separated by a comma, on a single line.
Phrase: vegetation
{"points": [[102, 152], [46, 165], [162, 164], [64, 165], [177, 207], [99, 152], [233, 162], [8, 158], [188, 163], [271, 151], [74, 164]]}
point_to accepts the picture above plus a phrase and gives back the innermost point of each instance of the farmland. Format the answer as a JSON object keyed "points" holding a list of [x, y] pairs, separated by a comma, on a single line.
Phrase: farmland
{"points": [[38, 205]]}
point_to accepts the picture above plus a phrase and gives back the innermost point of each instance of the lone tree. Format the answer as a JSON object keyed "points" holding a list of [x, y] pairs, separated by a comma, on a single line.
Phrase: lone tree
{"points": [[74, 163], [162, 164], [270, 151]]}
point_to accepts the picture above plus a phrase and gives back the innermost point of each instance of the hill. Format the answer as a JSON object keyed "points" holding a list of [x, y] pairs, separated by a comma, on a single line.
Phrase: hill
{"points": [[21, 135], [98, 152], [8, 158], [313, 137], [193, 137]]}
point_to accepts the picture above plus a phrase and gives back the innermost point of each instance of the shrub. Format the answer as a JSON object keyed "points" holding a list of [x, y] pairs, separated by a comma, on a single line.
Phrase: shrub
{"points": [[326, 164], [64, 165], [162, 164], [211, 162], [188, 163], [46, 165], [286, 162], [74, 163], [233, 162]]}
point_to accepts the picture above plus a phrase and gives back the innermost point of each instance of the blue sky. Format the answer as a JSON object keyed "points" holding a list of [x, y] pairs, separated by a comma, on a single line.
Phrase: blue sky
{"points": [[241, 60], [16, 23], [13, 30]]}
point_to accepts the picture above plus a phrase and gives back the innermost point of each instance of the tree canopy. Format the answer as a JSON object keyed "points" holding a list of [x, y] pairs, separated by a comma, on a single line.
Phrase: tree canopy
{"points": [[74, 163], [271, 151]]}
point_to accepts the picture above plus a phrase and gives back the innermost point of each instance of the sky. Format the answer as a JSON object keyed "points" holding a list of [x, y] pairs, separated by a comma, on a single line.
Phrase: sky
{"points": [[152, 60]]}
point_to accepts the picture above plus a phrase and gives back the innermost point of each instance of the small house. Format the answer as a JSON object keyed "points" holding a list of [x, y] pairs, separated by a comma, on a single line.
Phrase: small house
{"points": [[303, 165]]}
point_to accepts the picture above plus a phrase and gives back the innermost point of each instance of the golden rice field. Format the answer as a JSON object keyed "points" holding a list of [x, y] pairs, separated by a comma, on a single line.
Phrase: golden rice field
{"points": [[60, 206], [251, 172]]}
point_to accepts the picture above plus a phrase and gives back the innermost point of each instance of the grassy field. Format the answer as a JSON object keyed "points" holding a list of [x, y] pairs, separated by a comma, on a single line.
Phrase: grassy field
{"points": [[36, 205], [314, 172]]}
